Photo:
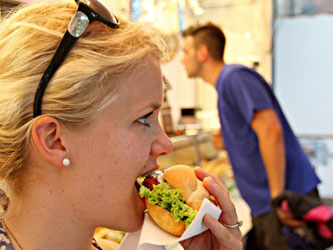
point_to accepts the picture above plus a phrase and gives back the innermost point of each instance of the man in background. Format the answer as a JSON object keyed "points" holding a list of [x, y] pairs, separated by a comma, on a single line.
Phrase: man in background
{"points": [[264, 153]]}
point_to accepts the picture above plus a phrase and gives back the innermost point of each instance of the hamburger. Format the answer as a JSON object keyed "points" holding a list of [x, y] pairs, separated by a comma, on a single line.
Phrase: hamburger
{"points": [[173, 198]]}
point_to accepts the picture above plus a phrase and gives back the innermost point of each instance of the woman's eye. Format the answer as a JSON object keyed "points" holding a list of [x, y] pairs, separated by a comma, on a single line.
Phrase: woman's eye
{"points": [[143, 120]]}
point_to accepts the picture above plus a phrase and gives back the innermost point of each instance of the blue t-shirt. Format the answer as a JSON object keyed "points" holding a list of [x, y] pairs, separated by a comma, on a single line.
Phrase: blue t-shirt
{"points": [[242, 91]]}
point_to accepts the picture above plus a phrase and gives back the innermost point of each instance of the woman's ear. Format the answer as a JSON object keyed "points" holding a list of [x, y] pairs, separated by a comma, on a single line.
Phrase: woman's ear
{"points": [[48, 137]]}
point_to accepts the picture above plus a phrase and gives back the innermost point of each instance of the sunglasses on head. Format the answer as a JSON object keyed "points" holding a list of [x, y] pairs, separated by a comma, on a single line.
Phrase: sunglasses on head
{"points": [[88, 11]]}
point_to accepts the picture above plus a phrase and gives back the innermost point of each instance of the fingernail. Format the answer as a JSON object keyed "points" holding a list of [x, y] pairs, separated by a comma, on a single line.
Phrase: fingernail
{"points": [[208, 178], [209, 220], [197, 167], [208, 217]]}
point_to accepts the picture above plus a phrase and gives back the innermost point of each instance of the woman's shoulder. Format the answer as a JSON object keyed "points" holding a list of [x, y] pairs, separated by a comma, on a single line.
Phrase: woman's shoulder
{"points": [[107, 244]]}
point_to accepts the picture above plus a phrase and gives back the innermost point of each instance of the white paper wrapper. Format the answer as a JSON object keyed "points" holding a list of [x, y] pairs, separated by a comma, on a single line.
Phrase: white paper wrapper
{"points": [[151, 237]]}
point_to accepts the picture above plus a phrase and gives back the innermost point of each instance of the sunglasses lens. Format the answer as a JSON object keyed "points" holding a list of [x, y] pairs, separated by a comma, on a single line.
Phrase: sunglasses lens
{"points": [[78, 24], [101, 9]]}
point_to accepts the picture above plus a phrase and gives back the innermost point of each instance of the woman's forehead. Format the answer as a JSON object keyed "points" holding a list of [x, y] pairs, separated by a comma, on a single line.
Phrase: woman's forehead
{"points": [[144, 84], [147, 70]]}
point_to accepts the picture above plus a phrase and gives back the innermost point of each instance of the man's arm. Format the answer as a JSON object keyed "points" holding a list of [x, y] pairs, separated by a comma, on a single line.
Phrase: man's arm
{"points": [[217, 140], [269, 132], [270, 138]]}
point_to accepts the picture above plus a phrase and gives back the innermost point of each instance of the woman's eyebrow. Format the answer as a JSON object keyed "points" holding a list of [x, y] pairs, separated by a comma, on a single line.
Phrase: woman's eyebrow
{"points": [[154, 106]]}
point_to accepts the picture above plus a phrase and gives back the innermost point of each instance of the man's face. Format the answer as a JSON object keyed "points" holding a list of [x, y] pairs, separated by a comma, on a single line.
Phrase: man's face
{"points": [[190, 59]]}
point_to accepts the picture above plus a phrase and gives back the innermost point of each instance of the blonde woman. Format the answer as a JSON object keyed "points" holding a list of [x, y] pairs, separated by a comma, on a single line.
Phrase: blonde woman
{"points": [[80, 94]]}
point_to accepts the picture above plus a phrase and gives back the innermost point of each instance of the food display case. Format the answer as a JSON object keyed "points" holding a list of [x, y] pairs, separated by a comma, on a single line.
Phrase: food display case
{"points": [[197, 150], [189, 150]]}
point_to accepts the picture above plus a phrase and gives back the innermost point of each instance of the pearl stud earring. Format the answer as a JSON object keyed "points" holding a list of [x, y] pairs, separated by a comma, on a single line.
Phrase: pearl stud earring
{"points": [[66, 162]]}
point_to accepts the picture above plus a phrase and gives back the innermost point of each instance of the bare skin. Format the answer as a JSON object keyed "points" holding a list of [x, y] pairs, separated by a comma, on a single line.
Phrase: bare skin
{"points": [[218, 237]]}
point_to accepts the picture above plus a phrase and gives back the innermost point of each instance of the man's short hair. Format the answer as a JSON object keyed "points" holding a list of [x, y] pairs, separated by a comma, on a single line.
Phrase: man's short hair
{"points": [[210, 35]]}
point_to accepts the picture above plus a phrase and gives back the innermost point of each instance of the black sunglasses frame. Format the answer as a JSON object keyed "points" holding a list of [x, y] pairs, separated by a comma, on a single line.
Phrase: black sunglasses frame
{"points": [[66, 44]]}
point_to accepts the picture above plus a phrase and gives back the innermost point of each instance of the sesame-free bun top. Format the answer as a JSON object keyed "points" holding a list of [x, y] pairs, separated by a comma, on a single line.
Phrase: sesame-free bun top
{"points": [[183, 177], [179, 177]]}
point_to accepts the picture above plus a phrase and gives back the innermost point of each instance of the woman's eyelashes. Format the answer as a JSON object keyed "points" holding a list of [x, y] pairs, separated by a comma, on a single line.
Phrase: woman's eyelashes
{"points": [[143, 120]]}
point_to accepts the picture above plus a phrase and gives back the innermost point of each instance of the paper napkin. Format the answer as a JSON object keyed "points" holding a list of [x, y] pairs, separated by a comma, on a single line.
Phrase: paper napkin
{"points": [[152, 237]]}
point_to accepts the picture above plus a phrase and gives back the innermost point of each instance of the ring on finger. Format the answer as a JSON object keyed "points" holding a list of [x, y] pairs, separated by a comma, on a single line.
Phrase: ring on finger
{"points": [[238, 224]]}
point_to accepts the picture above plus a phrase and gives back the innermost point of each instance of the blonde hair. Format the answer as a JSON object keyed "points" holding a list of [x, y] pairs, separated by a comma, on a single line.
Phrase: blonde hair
{"points": [[84, 84]]}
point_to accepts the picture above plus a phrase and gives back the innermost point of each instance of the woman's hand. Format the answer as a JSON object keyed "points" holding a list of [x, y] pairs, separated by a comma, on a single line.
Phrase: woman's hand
{"points": [[218, 236]]}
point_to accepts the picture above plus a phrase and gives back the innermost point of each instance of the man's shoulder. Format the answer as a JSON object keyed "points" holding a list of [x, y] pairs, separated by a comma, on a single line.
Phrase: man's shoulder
{"points": [[236, 75], [230, 74], [235, 69]]}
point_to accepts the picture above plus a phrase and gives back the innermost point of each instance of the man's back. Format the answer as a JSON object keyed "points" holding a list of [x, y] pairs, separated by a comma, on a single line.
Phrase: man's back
{"points": [[242, 92]]}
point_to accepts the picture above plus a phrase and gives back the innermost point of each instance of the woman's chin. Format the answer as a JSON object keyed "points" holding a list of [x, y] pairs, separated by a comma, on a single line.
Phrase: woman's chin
{"points": [[135, 220], [133, 225], [135, 228]]}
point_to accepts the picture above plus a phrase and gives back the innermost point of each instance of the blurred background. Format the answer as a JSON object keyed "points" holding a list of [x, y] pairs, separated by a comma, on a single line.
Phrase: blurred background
{"points": [[288, 41]]}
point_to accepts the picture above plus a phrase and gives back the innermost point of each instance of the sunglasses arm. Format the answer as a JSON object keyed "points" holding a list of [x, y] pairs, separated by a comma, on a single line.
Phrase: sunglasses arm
{"points": [[64, 47]]}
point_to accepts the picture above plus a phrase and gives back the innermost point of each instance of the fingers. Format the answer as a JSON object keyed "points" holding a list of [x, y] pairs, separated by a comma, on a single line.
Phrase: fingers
{"points": [[226, 238], [201, 174], [228, 215], [216, 188]]}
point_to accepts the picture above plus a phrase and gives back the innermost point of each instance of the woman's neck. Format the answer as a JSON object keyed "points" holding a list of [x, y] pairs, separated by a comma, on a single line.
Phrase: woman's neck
{"points": [[44, 221]]}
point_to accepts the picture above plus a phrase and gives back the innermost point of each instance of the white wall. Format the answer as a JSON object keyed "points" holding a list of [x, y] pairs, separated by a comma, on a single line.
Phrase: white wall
{"points": [[304, 80], [247, 25], [182, 94]]}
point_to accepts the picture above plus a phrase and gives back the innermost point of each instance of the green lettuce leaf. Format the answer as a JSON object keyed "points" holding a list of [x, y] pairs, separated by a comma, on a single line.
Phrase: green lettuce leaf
{"points": [[171, 200]]}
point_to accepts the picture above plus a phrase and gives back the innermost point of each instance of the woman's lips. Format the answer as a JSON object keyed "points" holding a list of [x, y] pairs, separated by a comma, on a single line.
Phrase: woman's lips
{"points": [[151, 169], [149, 174], [137, 185]]}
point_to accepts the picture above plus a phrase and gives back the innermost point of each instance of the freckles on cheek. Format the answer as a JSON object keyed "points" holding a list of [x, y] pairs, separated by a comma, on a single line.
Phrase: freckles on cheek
{"points": [[132, 156], [139, 152]]}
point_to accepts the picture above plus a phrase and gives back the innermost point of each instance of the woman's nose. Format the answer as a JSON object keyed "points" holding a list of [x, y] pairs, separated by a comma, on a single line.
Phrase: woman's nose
{"points": [[162, 145]]}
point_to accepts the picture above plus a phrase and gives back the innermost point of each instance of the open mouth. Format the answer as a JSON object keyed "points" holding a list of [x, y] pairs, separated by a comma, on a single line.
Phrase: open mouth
{"points": [[152, 178], [138, 185], [139, 181], [146, 179]]}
